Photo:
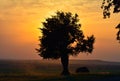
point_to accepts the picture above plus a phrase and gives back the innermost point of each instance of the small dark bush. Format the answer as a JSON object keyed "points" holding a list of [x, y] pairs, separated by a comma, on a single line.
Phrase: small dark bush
{"points": [[82, 70]]}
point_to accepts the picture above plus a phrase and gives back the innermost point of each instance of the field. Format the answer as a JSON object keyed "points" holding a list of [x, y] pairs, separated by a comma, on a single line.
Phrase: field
{"points": [[49, 70]]}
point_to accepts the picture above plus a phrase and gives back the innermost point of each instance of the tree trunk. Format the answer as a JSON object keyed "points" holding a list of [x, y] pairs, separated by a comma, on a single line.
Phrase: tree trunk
{"points": [[65, 62]]}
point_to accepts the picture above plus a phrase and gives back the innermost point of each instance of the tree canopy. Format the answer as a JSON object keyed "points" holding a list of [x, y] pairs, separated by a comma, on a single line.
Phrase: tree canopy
{"points": [[118, 33], [106, 6], [61, 34]]}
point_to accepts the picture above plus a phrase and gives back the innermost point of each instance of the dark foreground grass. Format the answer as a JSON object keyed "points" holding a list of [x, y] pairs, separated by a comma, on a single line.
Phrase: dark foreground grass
{"points": [[31, 70], [56, 77]]}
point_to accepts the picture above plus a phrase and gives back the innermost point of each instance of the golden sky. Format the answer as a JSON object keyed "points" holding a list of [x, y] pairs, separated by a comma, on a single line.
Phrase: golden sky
{"points": [[20, 20]]}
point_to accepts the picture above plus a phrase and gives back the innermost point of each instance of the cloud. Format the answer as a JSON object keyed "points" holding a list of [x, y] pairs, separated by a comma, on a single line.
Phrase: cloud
{"points": [[20, 8], [9, 7]]}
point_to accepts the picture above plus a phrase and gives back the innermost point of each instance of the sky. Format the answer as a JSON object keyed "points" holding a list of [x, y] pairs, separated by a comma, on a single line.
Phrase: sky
{"points": [[20, 20]]}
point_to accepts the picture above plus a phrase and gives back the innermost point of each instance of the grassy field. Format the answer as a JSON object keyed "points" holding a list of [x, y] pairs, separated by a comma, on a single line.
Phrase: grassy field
{"points": [[53, 77], [42, 70]]}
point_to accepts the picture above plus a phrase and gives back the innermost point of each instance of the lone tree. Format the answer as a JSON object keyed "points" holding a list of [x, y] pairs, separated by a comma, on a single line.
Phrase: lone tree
{"points": [[61, 37]]}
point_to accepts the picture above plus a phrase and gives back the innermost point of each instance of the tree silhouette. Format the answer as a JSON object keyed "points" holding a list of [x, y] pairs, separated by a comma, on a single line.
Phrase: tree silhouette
{"points": [[106, 6], [61, 37], [118, 33]]}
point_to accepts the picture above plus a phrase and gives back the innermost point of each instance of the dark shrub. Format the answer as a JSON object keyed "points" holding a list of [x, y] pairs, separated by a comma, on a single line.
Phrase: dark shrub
{"points": [[82, 70]]}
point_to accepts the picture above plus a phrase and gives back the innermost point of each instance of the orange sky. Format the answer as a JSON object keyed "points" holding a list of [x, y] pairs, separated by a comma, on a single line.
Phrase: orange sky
{"points": [[20, 20]]}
